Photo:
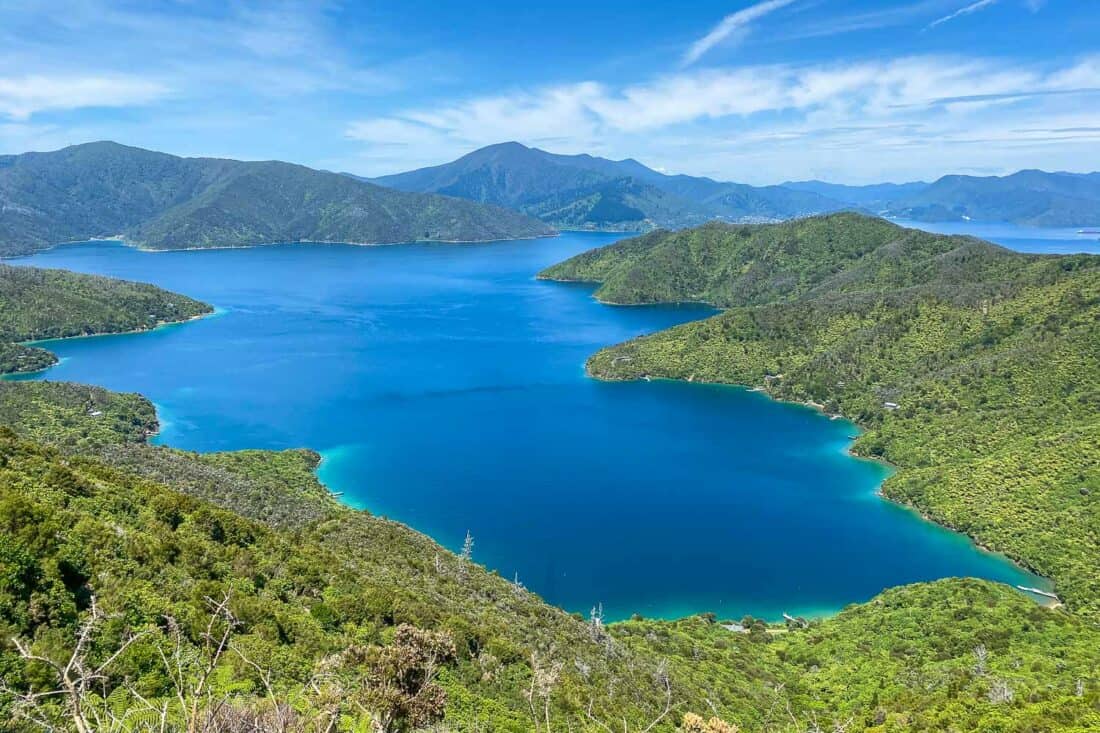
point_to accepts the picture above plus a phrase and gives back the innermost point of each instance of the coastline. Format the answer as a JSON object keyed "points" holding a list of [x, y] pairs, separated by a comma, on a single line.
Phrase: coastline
{"points": [[1044, 583], [214, 311], [142, 248]]}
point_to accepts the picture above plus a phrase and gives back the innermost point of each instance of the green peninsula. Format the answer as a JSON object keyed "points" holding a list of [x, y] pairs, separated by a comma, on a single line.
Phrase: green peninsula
{"points": [[38, 304], [973, 369]]}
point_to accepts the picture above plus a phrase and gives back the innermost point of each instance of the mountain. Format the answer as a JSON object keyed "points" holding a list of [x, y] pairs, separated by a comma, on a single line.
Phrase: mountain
{"points": [[586, 192], [974, 370], [1030, 197], [37, 304], [162, 201], [875, 197], [736, 265]]}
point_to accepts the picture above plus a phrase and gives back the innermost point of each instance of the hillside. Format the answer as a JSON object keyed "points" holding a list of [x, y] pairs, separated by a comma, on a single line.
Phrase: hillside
{"points": [[37, 304], [731, 265], [972, 369], [333, 617], [320, 594], [1029, 197], [583, 191], [162, 201], [874, 196]]}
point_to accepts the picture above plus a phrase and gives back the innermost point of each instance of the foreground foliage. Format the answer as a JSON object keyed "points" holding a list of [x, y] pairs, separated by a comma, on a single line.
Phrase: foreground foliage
{"points": [[336, 617]]}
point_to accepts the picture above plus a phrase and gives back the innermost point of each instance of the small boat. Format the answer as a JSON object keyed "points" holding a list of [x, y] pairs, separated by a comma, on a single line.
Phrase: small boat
{"points": [[1088, 231], [1037, 591]]}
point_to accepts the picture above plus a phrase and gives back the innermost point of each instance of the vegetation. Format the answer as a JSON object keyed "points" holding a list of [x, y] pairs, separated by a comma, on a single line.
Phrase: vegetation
{"points": [[161, 201], [38, 304], [976, 371], [953, 655], [19, 358], [584, 192], [335, 615], [147, 588], [1029, 197]]}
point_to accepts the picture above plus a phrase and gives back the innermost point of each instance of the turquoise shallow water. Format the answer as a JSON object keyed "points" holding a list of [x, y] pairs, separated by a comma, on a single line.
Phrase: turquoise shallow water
{"points": [[445, 387]]}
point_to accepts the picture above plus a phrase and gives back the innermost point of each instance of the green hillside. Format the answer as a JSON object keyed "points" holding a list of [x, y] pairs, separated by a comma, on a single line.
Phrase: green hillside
{"points": [[974, 370], [162, 201], [587, 192], [732, 265], [321, 596], [37, 304], [232, 591]]}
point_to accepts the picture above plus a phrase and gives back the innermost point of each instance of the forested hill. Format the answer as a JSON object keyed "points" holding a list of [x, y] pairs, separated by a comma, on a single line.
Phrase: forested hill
{"points": [[162, 201], [37, 304], [730, 265], [584, 191], [975, 370]]}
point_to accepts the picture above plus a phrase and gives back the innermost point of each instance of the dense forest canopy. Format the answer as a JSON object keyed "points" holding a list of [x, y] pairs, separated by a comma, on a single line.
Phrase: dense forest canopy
{"points": [[37, 304]]}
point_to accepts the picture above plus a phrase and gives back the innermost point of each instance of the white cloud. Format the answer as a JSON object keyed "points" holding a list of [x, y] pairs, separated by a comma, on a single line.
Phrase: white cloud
{"points": [[690, 120], [732, 24], [21, 97], [967, 10]]}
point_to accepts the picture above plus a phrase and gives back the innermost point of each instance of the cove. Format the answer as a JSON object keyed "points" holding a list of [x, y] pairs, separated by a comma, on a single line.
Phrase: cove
{"points": [[445, 388]]}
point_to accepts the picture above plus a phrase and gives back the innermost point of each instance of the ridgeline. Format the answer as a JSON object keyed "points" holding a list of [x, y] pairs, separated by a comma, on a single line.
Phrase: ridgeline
{"points": [[161, 201]]}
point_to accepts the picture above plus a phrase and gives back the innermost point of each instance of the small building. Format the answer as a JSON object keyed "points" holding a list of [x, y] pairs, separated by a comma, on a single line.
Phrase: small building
{"points": [[890, 405]]}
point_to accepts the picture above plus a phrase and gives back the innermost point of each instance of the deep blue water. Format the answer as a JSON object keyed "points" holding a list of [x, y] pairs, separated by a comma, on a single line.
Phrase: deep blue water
{"points": [[445, 387], [1065, 240]]}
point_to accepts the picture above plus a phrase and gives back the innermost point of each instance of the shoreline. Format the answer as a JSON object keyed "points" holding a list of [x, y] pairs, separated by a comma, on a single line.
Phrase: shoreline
{"points": [[214, 310], [1045, 584], [152, 250]]}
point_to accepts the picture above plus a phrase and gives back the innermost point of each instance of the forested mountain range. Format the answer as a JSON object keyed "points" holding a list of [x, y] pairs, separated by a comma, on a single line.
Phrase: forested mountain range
{"points": [[587, 192], [162, 201]]}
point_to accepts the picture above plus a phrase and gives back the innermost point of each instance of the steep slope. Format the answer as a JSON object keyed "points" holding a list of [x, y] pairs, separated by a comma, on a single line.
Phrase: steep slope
{"points": [[583, 191], [1030, 197], [730, 265], [37, 304], [162, 201], [974, 370]]}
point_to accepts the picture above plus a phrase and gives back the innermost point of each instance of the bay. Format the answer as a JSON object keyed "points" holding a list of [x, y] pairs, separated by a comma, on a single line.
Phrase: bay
{"points": [[445, 388]]}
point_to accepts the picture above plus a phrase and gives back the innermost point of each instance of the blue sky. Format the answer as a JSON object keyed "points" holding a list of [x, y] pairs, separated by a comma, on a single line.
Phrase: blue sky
{"points": [[756, 91]]}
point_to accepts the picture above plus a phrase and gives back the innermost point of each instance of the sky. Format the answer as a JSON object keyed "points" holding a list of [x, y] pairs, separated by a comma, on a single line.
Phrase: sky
{"points": [[763, 91]]}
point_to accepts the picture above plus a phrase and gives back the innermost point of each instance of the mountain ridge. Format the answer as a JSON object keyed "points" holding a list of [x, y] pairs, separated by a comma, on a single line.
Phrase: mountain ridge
{"points": [[565, 189], [162, 201]]}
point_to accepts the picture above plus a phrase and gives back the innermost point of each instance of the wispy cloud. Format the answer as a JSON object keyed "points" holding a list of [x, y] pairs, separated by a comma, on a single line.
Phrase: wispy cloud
{"points": [[732, 24], [967, 10], [22, 97], [751, 113]]}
